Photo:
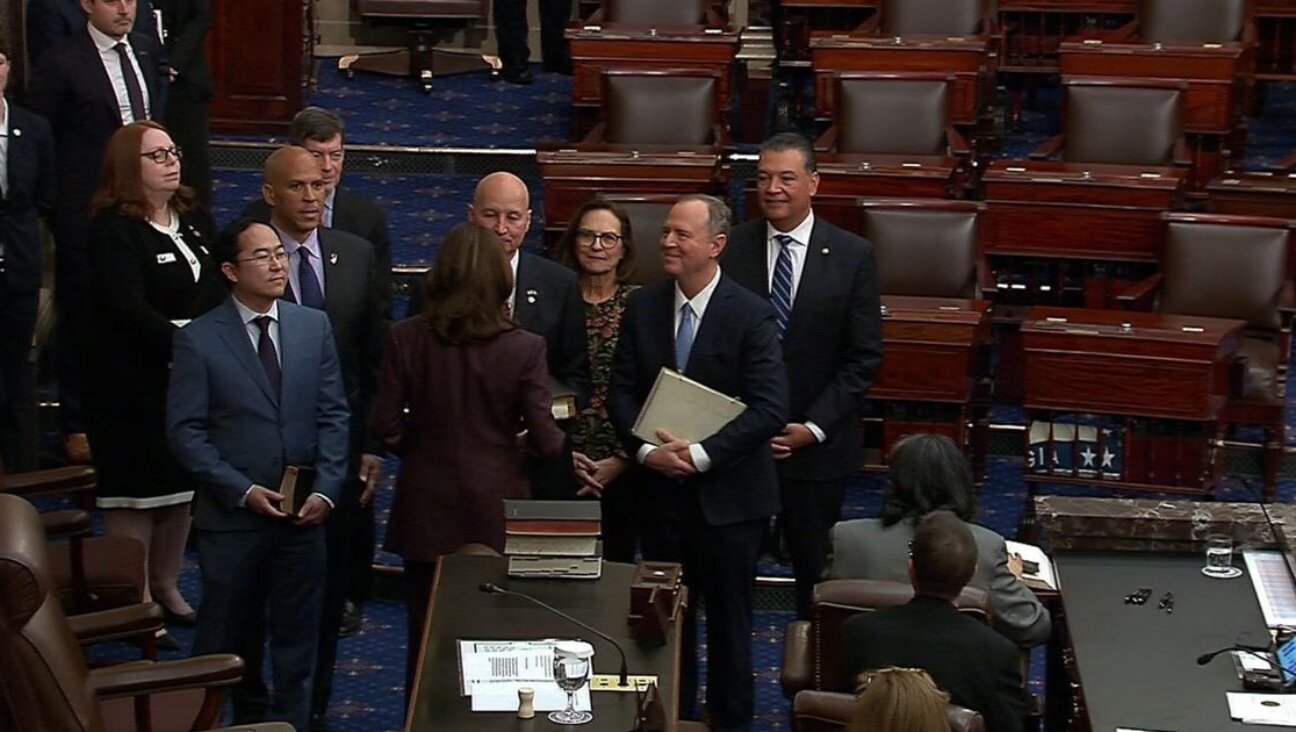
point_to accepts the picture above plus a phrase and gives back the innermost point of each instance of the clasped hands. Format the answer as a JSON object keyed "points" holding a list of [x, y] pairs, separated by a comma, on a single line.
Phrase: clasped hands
{"points": [[671, 458], [266, 502]]}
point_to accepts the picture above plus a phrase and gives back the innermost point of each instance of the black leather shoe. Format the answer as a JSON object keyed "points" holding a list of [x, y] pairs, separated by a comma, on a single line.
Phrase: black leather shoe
{"points": [[352, 620], [188, 620], [516, 75], [166, 643]]}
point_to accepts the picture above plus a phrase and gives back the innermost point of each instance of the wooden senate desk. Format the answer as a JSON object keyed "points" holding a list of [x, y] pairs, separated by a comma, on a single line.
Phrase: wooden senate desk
{"points": [[595, 48], [969, 60], [1156, 381], [1033, 29], [1253, 194], [1276, 28], [934, 354], [460, 610], [571, 176]]}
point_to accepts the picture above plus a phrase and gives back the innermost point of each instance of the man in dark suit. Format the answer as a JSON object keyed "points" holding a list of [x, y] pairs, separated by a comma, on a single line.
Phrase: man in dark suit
{"points": [[511, 33], [333, 271], [50, 20], [823, 286], [256, 387], [979, 667], [87, 85], [546, 300], [712, 498], [323, 134], [26, 192], [186, 23]]}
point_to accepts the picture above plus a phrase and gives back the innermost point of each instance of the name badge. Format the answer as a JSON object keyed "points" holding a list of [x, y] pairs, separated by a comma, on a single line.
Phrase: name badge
{"points": [[166, 258]]}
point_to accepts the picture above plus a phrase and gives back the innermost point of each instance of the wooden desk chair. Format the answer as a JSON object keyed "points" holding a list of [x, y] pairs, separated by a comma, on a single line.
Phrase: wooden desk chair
{"points": [[1234, 267], [658, 14], [901, 18], [893, 113], [647, 214], [812, 648], [43, 673], [427, 22], [925, 248], [1120, 122], [671, 107], [830, 711]]}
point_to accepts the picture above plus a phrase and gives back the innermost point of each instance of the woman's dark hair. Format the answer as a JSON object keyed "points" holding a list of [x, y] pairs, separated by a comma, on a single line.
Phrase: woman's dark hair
{"points": [[567, 244], [468, 287], [121, 184], [927, 473]]}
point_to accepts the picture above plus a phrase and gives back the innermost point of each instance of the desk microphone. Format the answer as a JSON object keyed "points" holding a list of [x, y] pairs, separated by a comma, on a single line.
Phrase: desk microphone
{"points": [[491, 588], [1206, 658]]}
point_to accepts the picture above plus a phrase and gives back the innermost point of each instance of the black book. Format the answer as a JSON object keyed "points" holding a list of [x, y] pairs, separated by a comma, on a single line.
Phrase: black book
{"points": [[297, 485]]}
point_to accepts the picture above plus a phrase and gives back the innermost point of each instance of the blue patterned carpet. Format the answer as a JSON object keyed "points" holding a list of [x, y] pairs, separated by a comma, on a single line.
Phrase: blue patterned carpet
{"points": [[470, 111]]}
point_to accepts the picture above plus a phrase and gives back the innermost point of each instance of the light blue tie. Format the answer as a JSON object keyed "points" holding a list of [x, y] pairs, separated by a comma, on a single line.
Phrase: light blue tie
{"points": [[781, 286], [684, 337]]}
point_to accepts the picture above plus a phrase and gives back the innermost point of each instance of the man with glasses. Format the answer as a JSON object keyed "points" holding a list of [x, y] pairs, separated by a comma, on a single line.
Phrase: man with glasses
{"points": [[256, 387], [87, 85]]}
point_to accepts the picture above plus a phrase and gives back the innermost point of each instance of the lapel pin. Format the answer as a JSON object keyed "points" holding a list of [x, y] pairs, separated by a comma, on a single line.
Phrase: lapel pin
{"points": [[531, 296], [333, 258], [825, 250], [17, 132]]}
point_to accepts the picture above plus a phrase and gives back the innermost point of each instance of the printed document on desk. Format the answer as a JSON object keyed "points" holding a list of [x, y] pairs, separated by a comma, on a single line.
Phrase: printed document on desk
{"points": [[1274, 588], [1274, 709], [686, 408], [492, 671]]}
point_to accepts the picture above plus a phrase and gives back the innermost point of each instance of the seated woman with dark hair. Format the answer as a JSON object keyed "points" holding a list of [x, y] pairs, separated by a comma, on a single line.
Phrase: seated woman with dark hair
{"points": [[928, 473], [896, 699]]}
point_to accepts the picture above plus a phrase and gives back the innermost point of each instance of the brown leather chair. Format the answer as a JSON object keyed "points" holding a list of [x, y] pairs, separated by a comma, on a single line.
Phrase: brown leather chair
{"points": [[812, 648], [893, 114], [1193, 21], [1235, 267], [830, 711], [43, 671], [902, 18], [1120, 122], [924, 248], [674, 107], [428, 22], [658, 14], [91, 572], [647, 215]]}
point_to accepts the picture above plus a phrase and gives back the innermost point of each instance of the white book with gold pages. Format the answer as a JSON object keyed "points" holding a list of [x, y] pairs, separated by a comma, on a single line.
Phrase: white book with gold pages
{"points": [[685, 408]]}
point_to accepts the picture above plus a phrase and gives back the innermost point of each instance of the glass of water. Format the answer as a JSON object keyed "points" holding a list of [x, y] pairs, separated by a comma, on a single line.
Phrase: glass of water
{"points": [[571, 669], [1219, 557]]}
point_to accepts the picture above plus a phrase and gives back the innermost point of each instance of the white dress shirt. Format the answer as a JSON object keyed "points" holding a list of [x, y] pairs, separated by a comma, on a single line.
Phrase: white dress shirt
{"points": [[112, 64], [513, 264], [4, 151], [698, 304]]}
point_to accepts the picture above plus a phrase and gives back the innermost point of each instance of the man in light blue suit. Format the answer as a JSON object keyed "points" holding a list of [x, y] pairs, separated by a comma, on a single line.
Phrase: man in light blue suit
{"points": [[256, 387]]}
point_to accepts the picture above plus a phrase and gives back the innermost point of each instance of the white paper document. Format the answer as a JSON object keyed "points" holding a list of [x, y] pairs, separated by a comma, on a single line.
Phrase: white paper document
{"points": [[1273, 586], [1045, 576], [1274, 709], [492, 671]]}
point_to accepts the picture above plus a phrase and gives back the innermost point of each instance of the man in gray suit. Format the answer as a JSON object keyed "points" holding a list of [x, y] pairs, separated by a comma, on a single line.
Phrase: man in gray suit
{"points": [[256, 387], [928, 472]]}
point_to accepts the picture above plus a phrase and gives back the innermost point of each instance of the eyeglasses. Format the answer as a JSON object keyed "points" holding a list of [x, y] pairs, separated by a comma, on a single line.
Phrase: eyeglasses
{"points": [[163, 154], [262, 258], [608, 239]]}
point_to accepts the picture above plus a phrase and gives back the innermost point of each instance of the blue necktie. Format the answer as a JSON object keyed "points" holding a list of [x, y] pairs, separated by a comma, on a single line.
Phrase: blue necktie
{"points": [[311, 295], [781, 286], [684, 337]]}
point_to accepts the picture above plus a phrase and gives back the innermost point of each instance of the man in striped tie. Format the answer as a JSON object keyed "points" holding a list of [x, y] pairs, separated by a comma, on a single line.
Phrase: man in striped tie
{"points": [[822, 284]]}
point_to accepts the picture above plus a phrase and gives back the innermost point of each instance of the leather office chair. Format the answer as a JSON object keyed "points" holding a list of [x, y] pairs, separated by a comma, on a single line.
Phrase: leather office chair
{"points": [[677, 108], [1236, 267], [1120, 122], [902, 18], [893, 114], [925, 248], [1192, 21], [91, 572], [811, 648], [428, 22], [43, 671], [658, 14], [830, 711], [647, 215]]}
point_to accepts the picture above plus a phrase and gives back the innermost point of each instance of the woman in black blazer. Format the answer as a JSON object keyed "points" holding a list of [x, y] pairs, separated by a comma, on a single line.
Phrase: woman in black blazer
{"points": [[152, 273]]}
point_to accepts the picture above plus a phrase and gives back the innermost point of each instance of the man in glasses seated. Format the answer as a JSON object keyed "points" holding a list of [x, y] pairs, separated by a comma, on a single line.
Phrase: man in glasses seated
{"points": [[979, 668]]}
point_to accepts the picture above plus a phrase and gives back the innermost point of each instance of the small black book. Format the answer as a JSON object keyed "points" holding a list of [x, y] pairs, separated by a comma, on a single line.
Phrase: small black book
{"points": [[297, 485]]}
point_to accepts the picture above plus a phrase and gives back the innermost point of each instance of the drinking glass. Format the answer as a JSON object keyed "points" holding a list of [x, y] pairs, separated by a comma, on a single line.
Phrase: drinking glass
{"points": [[1219, 557], [571, 669]]}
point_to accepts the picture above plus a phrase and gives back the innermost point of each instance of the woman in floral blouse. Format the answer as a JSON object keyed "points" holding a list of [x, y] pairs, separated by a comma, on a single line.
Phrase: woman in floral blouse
{"points": [[599, 246]]}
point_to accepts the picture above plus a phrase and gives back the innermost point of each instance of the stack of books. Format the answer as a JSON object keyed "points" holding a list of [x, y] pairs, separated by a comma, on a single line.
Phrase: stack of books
{"points": [[553, 539]]}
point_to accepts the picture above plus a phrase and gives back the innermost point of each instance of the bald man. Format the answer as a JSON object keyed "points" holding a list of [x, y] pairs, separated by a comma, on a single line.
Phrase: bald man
{"points": [[337, 272], [546, 300]]}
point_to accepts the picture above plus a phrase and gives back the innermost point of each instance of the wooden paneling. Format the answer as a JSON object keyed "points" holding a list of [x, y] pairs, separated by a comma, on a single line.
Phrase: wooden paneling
{"points": [[258, 51]]}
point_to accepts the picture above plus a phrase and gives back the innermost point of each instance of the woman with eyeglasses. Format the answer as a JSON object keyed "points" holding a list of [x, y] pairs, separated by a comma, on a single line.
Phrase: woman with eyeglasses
{"points": [[598, 245], [897, 699], [152, 273]]}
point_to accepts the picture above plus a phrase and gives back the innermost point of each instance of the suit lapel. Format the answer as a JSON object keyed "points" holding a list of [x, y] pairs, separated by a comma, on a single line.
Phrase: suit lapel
{"points": [[92, 60], [749, 265], [291, 346], [332, 274], [341, 212], [235, 335], [815, 271], [713, 320], [525, 293]]}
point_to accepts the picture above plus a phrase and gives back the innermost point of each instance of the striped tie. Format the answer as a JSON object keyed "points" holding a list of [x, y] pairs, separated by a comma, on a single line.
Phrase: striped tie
{"points": [[781, 287]]}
